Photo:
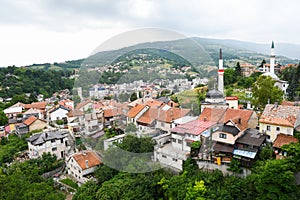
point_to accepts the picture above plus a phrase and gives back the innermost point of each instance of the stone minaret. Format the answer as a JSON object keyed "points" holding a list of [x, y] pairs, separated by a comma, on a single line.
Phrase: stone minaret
{"points": [[221, 74], [272, 59]]}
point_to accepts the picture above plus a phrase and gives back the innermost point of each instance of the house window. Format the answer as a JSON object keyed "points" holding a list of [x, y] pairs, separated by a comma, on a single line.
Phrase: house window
{"points": [[174, 159], [173, 140], [53, 141], [162, 124], [268, 128], [188, 144], [222, 135], [54, 149], [164, 156], [180, 141], [61, 140], [277, 128]]}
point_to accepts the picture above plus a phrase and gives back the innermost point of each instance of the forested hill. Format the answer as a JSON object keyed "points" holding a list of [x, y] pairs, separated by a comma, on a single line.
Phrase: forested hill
{"points": [[21, 80], [201, 52]]}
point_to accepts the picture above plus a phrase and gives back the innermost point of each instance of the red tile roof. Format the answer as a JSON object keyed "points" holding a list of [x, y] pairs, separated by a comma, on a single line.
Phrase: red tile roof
{"points": [[30, 120], [283, 139], [91, 157]]}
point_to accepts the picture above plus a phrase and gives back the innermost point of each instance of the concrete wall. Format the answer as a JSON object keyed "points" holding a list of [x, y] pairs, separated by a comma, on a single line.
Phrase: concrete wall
{"points": [[38, 124]]}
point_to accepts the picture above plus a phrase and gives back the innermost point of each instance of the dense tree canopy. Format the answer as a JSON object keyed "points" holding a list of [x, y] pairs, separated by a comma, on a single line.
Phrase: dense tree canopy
{"points": [[293, 76], [264, 92], [18, 81], [23, 181]]}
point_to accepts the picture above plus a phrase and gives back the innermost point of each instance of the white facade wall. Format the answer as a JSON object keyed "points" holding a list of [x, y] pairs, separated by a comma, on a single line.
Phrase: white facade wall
{"points": [[177, 141], [58, 114], [76, 171], [168, 156], [274, 130], [55, 148], [164, 126]]}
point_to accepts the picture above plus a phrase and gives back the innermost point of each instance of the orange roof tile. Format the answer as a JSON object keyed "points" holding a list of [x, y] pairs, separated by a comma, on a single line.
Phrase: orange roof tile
{"points": [[135, 110], [171, 114], [112, 112], [219, 115], [173, 104], [280, 115], [283, 139], [91, 157], [154, 103], [212, 114], [30, 120], [36, 105], [81, 104], [149, 116], [290, 103], [75, 113]]}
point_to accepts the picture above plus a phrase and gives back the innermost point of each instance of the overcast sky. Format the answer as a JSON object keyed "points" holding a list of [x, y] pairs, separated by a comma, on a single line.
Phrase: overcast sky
{"points": [[39, 31]]}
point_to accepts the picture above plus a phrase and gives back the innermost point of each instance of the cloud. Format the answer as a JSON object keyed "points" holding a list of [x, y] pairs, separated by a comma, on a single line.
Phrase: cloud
{"points": [[95, 21]]}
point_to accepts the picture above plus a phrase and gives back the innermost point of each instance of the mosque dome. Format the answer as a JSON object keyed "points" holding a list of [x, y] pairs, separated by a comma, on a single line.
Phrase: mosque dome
{"points": [[213, 94]]}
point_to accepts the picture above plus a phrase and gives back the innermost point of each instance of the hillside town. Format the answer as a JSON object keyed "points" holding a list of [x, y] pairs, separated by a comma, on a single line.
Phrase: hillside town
{"points": [[223, 131]]}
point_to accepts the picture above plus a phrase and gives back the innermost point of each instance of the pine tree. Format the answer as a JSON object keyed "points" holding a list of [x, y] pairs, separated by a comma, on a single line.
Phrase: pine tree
{"points": [[294, 84], [238, 70]]}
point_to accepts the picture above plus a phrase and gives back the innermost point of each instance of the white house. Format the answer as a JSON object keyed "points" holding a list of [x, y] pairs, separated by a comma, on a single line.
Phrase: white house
{"points": [[57, 112], [54, 142], [173, 154], [81, 165], [111, 141], [14, 110], [91, 122]]}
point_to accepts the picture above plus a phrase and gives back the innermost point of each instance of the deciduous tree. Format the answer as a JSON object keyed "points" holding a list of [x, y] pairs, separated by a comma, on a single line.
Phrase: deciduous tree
{"points": [[264, 92]]}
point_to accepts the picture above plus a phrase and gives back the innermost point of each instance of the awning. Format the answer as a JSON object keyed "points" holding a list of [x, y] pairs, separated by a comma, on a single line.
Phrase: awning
{"points": [[247, 154]]}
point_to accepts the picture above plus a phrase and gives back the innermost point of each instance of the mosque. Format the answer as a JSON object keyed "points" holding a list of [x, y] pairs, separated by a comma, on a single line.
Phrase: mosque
{"points": [[215, 98], [283, 85]]}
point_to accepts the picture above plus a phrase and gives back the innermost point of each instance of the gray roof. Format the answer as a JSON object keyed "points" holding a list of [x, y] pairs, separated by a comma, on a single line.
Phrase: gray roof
{"points": [[41, 138], [214, 94], [230, 129], [252, 137]]}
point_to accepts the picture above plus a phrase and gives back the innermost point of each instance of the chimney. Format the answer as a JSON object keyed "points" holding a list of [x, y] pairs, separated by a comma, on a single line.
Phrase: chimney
{"points": [[46, 134], [86, 163], [239, 120]]}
